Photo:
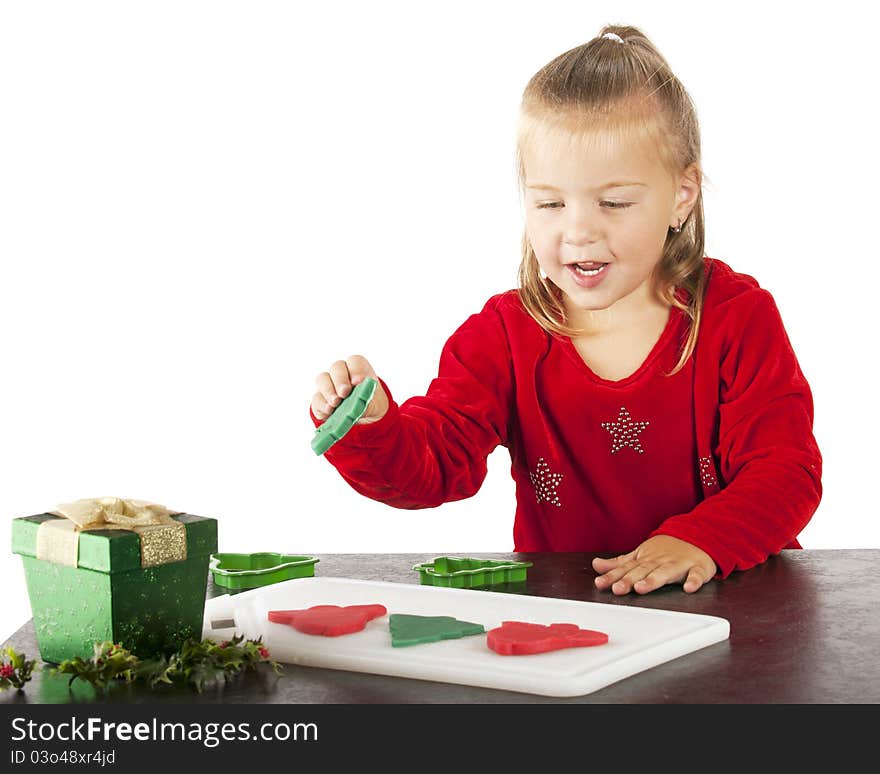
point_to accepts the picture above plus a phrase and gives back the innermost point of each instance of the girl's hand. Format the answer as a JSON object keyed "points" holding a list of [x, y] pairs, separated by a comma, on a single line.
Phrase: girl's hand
{"points": [[659, 560], [337, 383]]}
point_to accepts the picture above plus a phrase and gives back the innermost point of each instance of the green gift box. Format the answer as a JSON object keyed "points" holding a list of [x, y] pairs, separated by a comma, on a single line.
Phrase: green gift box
{"points": [[111, 595]]}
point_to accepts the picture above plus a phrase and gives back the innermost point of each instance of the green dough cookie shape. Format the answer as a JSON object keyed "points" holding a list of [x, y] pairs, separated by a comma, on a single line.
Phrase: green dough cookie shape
{"points": [[416, 629], [344, 416]]}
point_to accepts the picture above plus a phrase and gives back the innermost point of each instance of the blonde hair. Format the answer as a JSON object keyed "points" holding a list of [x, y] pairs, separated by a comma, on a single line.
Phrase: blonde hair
{"points": [[605, 90]]}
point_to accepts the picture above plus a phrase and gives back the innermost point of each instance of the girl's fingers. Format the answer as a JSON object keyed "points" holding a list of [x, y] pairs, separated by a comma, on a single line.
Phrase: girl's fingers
{"points": [[359, 368], [633, 576], [659, 576], [611, 569], [611, 576], [696, 577], [341, 377], [337, 382], [320, 408], [657, 562], [327, 390], [603, 565]]}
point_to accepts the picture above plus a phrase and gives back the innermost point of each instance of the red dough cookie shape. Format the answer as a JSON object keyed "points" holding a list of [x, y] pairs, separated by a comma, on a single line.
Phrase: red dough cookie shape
{"points": [[328, 620], [517, 638]]}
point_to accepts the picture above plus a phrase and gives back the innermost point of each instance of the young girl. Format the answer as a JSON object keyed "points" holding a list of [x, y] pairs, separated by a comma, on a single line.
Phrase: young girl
{"points": [[649, 396]]}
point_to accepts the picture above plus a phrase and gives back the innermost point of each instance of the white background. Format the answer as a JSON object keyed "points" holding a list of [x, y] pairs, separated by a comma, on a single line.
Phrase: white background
{"points": [[203, 204]]}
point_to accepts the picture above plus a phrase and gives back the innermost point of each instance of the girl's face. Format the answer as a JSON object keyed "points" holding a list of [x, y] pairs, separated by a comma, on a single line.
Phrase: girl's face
{"points": [[597, 218]]}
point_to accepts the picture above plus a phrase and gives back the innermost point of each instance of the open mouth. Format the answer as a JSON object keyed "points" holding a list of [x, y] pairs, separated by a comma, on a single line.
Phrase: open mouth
{"points": [[589, 268]]}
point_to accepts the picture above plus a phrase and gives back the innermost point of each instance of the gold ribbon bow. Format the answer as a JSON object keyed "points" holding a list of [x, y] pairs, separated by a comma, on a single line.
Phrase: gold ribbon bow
{"points": [[162, 538]]}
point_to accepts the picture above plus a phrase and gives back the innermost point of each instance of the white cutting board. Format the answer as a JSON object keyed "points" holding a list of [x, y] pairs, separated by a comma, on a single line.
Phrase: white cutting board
{"points": [[638, 638]]}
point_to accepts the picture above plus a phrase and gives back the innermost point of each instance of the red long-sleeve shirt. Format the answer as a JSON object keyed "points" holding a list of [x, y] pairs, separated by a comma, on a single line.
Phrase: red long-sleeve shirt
{"points": [[721, 454]]}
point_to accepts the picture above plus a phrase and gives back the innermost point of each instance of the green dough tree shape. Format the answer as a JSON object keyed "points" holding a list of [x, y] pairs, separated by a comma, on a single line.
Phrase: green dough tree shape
{"points": [[417, 629], [344, 416]]}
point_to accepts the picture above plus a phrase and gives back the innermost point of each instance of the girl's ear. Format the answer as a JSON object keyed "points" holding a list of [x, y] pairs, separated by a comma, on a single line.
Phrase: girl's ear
{"points": [[689, 186]]}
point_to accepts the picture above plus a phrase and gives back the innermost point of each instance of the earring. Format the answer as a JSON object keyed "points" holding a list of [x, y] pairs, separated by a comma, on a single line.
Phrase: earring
{"points": [[676, 229]]}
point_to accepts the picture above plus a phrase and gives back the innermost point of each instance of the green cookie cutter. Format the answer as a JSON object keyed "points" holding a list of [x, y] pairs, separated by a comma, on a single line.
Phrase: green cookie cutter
{"points": [[249, 571], [344, 416], [465, 572]]}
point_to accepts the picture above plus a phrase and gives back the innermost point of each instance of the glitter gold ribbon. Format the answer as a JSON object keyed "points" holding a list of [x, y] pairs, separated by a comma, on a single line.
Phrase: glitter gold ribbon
{"points": [[162, 539]]}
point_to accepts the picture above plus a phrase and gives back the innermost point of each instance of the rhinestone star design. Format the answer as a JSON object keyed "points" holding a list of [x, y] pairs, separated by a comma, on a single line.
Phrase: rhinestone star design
{"points": [[707, 474], [625, 432], [545, 483]]}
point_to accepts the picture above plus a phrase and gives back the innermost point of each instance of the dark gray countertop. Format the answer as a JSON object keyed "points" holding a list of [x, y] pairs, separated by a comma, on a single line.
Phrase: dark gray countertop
{"points": [[804, 628]]}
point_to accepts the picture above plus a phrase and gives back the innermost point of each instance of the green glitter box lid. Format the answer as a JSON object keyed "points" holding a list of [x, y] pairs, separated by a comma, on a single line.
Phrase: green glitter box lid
{"points": [[150, 610], [115, 550]]}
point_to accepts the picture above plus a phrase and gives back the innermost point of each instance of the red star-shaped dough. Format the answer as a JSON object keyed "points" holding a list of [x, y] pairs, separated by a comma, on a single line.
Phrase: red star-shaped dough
{"points": [[328, 620], [516, 638]]}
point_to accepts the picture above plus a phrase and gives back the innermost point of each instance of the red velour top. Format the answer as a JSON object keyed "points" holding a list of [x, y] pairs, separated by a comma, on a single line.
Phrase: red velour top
{"points": [[721, 454]]}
